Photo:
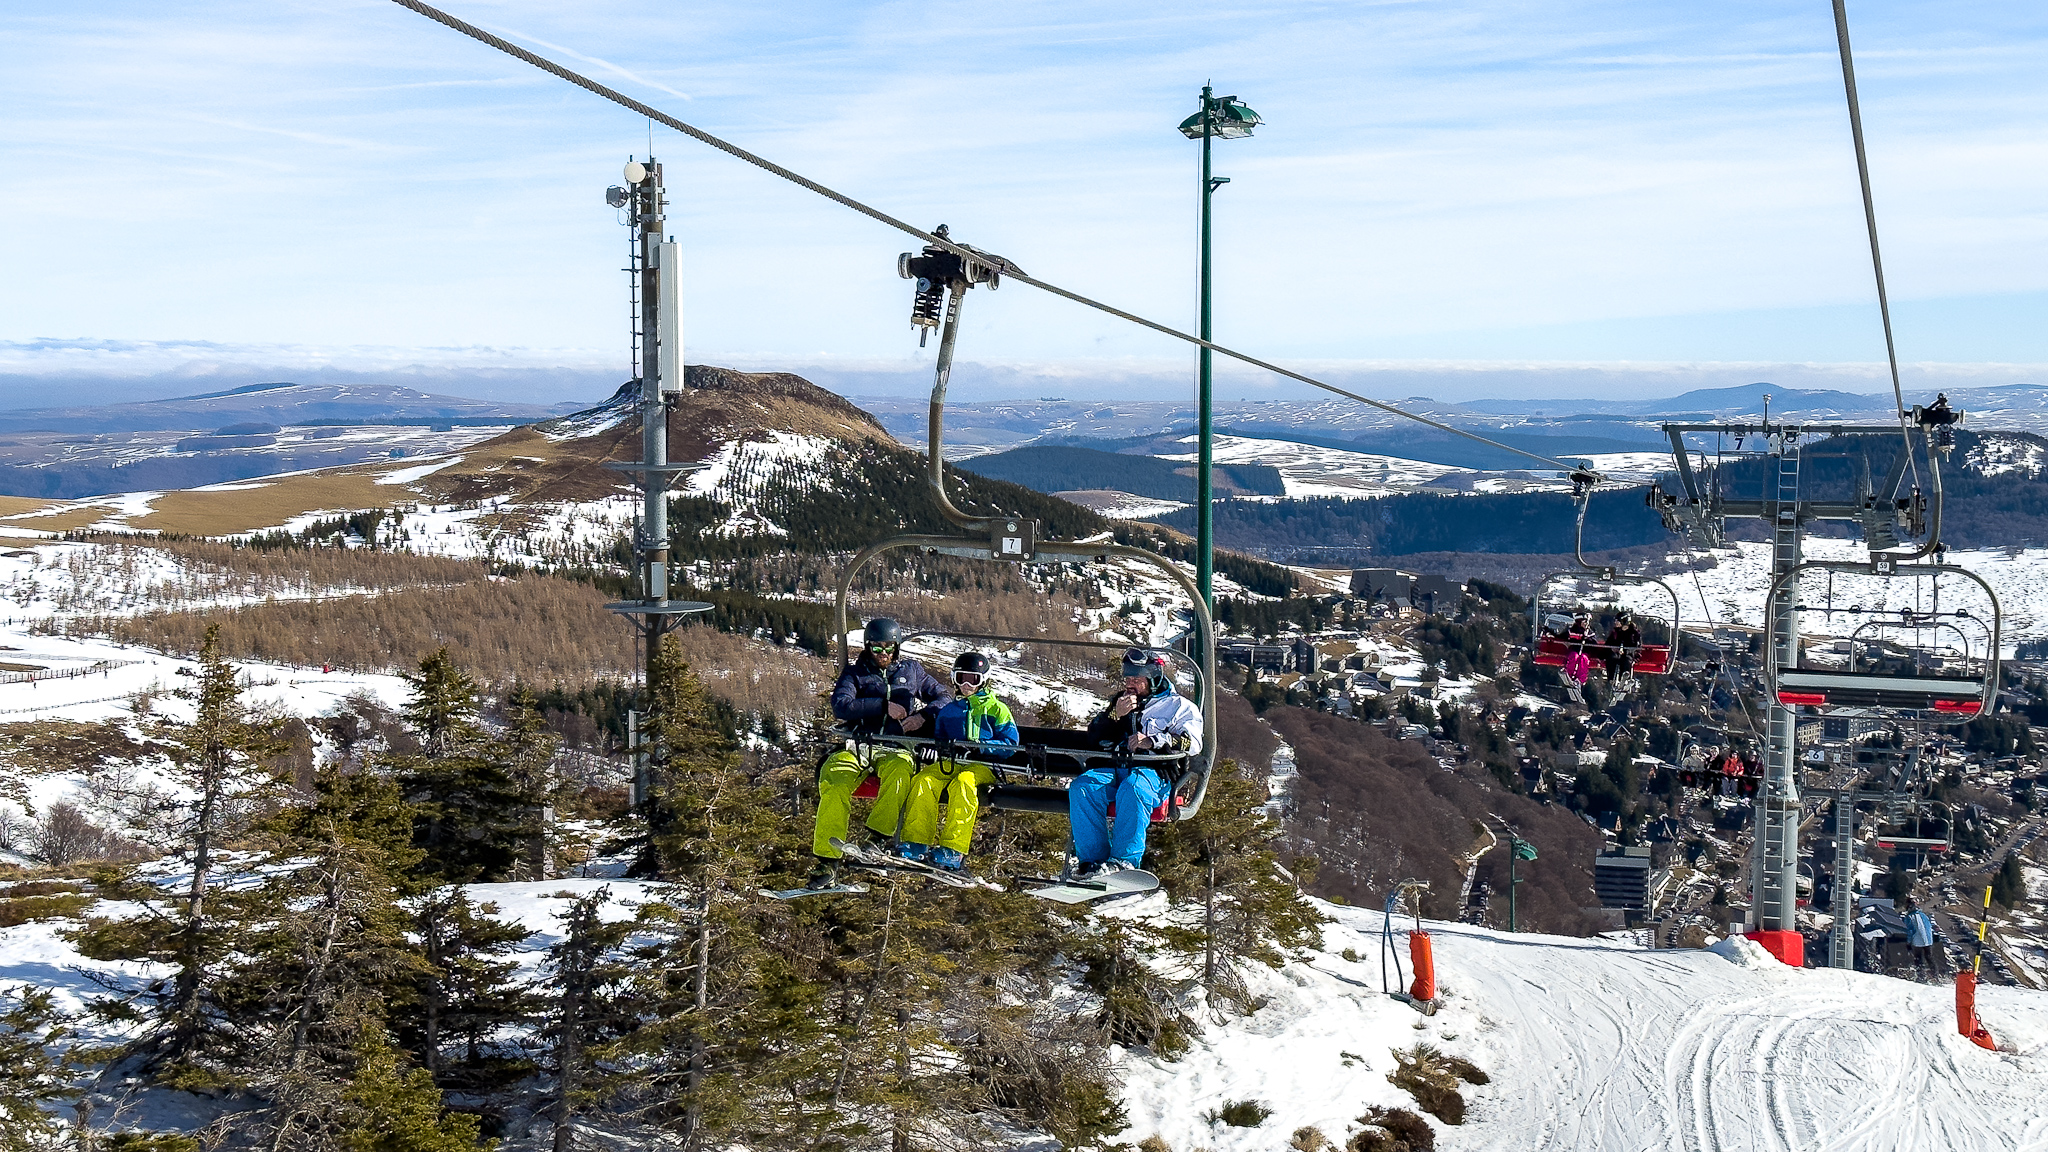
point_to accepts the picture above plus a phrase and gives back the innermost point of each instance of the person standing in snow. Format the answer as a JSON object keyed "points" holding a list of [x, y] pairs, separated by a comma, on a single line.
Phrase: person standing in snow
{"points": [[1920, 938], [975, 716], [877, 694], [1147, 715]]}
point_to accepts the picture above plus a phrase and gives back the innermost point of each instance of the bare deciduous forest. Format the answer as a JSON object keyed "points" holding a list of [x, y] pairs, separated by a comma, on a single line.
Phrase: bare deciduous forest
{"points": [[1379, 811], [541, 629]]}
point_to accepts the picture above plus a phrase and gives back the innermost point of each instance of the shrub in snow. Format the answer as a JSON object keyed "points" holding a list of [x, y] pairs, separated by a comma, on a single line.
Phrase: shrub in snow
{"points": [[1432, 1078], [1309, 1139], [1154, 1144], [1239, 1114], [1392, 1130], [66, 836]]}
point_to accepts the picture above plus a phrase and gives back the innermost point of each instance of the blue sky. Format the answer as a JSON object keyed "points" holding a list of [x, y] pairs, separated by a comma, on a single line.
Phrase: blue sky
{"points": [[343, 184]]}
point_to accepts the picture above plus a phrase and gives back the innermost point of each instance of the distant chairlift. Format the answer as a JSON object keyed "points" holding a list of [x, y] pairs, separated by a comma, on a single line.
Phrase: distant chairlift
{"points": [[1563, 597], [1924, 832], [1972, 646], [1033, 775]]}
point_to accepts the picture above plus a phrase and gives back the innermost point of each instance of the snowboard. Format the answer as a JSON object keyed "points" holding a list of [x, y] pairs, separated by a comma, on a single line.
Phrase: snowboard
{"points": [[799, 893], [883, 862], [1129, 882]]}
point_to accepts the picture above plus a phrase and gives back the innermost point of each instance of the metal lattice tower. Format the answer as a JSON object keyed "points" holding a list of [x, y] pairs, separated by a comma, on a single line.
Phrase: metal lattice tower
{"points": [[657, 337], [1775, 861]]}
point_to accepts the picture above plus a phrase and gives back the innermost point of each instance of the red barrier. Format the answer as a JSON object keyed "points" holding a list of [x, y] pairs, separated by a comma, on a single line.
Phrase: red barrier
{"points": [[1789, 947], [1424, 988], [1966, 1011]]}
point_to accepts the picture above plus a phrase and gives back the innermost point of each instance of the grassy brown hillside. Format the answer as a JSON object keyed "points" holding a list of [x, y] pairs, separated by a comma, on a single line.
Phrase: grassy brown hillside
{"points": [[553, 461]]}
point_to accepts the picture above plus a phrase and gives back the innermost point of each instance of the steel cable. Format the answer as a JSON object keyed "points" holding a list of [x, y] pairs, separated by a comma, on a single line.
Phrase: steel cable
{"points": [[1884, 307], [876, 214]]}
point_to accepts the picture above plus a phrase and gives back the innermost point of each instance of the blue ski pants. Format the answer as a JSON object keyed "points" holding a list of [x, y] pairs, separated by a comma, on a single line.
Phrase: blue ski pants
{"points": [[1137, 791]]}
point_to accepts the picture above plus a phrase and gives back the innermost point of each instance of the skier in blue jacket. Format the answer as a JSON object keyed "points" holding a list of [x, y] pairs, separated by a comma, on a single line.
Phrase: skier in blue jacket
{"points": [[975, 716], [878, 693]]}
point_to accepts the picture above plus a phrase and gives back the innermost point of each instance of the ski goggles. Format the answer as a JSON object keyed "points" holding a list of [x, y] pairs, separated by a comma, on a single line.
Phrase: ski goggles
{"points": [[967, 679], [882, 649]]}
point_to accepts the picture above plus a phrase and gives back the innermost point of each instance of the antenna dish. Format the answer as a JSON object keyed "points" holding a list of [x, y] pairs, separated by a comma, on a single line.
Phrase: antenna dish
{"points": [[616, 196], [635, 172]]}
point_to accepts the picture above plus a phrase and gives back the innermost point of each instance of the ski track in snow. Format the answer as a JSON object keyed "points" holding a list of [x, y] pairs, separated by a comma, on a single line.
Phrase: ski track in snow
{"points": [[1601, 1046]]}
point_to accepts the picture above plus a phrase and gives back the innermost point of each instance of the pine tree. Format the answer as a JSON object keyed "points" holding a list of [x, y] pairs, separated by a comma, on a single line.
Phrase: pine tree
{"points": [[444, 708], [716, 831], [331, 963], [480, 801], [221, 755], [586, 974], [390, 1108], [1225, 857], [467, 994], [30, 1075]]}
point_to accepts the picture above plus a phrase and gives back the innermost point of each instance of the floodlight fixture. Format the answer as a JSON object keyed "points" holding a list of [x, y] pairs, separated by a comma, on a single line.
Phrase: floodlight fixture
{"points": [[1228, 119]]}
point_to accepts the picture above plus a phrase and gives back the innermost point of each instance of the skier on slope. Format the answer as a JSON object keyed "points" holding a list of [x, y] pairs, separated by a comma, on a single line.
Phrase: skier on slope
{"points": [[878, 693], [1146, 715], [974, 716]]}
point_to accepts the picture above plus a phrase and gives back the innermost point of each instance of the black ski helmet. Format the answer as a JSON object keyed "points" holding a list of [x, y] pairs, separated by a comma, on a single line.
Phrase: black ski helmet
{"points": [[1150, 665], [882, 630], [973, 662]]}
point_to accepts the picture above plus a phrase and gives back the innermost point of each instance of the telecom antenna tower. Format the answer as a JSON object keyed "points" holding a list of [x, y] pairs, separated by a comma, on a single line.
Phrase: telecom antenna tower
{"points": [[655, 268], [1702, 510]]}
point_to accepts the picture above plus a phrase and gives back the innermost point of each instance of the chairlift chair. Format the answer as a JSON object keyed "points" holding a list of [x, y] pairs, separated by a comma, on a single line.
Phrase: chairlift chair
{"points": [[1920, 697], [1551, 610], [1922, 832], [1033, 776]]}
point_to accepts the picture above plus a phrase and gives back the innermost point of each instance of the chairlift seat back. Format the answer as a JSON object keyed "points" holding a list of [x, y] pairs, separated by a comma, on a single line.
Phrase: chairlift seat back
{"points": [[1824, 689], [1650, 659]]}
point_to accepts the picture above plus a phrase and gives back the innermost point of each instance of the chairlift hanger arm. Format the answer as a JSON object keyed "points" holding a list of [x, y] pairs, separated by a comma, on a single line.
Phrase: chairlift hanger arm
{"points": [[961, 250]]}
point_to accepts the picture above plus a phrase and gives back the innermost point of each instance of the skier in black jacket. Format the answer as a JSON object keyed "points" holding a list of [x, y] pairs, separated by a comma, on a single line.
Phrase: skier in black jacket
{"points": [[880, 692]]}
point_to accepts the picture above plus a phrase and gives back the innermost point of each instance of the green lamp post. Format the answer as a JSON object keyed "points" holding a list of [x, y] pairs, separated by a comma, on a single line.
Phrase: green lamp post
{"points": [[1518, 850], [1220, 118]]}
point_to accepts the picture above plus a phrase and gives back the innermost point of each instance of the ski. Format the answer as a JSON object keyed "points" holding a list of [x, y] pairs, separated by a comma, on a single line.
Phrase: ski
{"points": [[882, 862], [799, 893], [1129, 882]]}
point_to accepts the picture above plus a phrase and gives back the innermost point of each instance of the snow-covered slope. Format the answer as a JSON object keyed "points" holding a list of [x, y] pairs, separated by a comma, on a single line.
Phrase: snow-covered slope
{"points": [[1590, 1045], [1600, 1047]]}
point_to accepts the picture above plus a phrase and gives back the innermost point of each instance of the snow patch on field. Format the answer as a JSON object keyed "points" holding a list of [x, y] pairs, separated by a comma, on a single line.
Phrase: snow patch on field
{"points": [[1120, 505], [408, 475], [1313, 470]]}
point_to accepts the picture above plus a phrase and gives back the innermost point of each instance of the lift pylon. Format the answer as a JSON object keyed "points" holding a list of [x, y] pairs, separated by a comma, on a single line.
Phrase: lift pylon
{"points": [[1701, 509]]}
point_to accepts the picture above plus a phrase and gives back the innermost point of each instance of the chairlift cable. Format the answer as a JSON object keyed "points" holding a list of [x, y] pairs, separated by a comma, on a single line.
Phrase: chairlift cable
{"points": [[876, 214], [1884, 308]]}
